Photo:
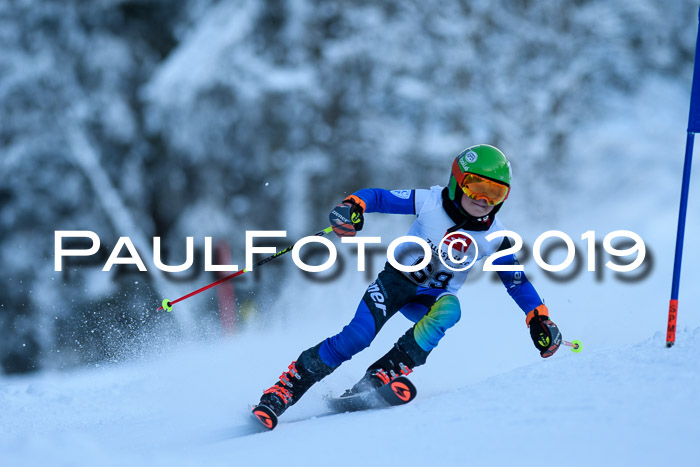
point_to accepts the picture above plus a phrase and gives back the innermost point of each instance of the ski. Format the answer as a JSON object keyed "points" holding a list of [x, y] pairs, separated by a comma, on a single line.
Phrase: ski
{"points": [[399, 391], [265, 416]]}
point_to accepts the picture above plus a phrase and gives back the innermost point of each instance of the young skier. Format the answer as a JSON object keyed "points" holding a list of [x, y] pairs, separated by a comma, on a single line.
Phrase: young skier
{"points": [[478, 186]]}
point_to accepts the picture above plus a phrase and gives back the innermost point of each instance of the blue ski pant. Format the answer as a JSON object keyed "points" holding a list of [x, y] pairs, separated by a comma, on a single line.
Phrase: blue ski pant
{"points": [[432, 310]]}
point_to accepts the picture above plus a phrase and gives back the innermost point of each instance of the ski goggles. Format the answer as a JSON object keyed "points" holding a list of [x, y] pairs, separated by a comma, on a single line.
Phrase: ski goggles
{"points": [[477, 187]]}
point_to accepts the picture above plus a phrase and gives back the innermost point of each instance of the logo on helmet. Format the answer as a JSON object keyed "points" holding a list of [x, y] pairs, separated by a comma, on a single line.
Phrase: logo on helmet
{"points": [[469, 157]]}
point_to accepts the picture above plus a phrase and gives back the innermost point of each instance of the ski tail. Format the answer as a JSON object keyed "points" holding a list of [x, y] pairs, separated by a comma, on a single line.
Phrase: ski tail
{"points": [[398, 391], [265, 416], [402, 391]]}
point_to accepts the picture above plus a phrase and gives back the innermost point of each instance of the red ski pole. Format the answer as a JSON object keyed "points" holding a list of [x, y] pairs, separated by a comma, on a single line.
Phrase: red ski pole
{"points": [[167, 305]]}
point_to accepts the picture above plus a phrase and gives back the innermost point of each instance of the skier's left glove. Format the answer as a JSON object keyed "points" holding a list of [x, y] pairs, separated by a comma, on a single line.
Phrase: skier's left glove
{"points": [[544, 333], [347, 218]]}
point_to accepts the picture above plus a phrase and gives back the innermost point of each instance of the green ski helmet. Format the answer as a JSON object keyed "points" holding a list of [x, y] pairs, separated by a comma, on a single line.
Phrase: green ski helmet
{"points": [[481, 171]]}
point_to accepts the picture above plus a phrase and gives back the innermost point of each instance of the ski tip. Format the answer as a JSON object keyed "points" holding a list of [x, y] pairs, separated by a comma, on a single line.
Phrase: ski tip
{"points": [[265, 416]]}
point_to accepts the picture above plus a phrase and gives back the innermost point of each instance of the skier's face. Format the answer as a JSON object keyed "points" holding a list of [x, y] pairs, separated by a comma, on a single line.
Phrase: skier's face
{"points": [[476, 207]]}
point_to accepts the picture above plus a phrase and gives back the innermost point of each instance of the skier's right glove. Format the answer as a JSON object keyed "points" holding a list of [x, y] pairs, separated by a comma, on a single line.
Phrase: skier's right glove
{"points": [[544, 333], [347, 218]]}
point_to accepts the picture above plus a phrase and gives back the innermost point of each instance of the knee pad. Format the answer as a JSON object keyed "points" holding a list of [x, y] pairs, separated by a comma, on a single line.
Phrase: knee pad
{"points": [[444, 314]]}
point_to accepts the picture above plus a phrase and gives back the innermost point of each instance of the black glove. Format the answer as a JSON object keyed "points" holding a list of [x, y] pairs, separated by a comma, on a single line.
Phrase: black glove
{"points": [[347, 218], [544, 333]]}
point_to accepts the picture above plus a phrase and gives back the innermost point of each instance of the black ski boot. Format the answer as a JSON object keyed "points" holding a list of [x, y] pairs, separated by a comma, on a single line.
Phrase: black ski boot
{"points": [[303, 373], [403, 357]]}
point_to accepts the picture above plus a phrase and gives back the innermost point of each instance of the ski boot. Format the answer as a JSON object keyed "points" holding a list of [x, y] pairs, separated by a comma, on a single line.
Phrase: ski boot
{"points": [[395, 363], [403, 357], [302, 373]]}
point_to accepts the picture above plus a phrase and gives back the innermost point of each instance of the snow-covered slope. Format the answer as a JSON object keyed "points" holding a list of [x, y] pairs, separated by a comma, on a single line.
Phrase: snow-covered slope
{"points": [[628, 405], [485, 398]]}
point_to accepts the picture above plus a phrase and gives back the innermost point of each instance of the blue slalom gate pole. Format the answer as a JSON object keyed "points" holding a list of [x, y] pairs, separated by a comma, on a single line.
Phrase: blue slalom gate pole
{"points": [[693, 127]]}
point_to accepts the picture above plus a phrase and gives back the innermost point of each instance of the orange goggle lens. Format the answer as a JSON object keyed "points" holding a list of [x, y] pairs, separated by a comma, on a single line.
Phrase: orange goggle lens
{"points": [[477, 187]]}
